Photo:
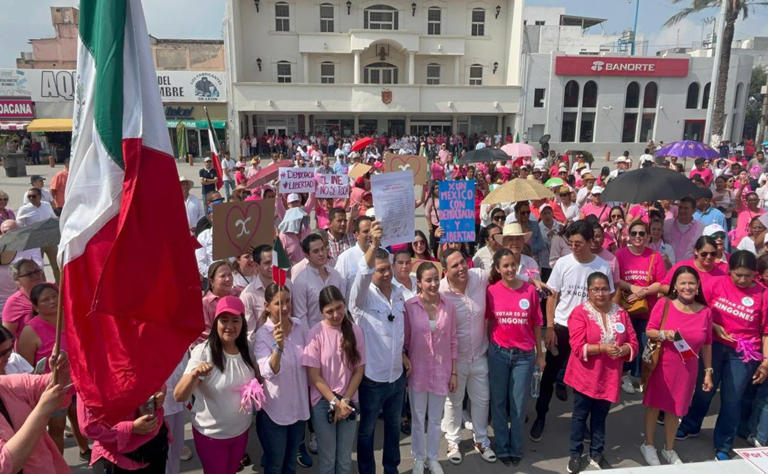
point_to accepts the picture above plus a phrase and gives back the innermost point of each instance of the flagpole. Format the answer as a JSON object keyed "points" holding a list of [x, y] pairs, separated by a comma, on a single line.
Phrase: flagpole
{"points": [[57, 342]]}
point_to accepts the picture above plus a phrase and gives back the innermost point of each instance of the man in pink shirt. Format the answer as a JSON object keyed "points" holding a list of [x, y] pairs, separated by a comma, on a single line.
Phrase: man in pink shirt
{"points": [[682, 232], [316, 275]]}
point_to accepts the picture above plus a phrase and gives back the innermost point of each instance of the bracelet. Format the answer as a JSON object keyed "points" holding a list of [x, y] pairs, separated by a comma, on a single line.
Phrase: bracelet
{"points": [[709, 370], [454, 374]]}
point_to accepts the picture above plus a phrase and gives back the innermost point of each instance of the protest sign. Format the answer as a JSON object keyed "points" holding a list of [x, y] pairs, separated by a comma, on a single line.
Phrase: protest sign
{"points": [[359, 170], [457, 210], [756, 457], [334, 186], [297, 180], [417, 164], [238, 227], [393, 206]]}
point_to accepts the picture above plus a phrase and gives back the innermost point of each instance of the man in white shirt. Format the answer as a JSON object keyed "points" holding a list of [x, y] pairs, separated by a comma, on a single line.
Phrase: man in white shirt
{"points": [[37, 181], [378, 308], [622, 165], [316, 275], [191, 203], [38, 210], [646, 156], [253, 294], [227, 170], [347, 264], [582, 196], [568, 281]]}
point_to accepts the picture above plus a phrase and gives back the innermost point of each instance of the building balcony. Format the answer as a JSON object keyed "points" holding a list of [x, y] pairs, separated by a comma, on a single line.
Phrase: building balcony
{"points": [[371, 98], [359, 40]]}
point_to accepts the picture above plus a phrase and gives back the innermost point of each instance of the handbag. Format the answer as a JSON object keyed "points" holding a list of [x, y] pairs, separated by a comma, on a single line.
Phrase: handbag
{"points": [[639, 306], [652, 350]]}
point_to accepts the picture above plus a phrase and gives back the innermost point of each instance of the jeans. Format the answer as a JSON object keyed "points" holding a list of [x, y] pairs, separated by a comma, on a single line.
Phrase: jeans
{"points": [[472, 379], [754, 413], [334, 440], [597, 411], [636, 365], [509, 371], [554, 364], [228, 186], [387, 399], [280, 443], [734, 376]]}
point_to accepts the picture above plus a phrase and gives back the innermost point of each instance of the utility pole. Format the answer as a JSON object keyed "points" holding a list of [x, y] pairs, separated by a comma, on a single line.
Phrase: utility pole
{"points": [[634, 27]]}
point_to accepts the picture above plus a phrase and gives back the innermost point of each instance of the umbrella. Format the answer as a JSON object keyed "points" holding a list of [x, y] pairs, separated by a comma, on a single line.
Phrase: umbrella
{"points": [[518, 190], [362, 143], [649, 184], [267, 173], [765, 143], [40, 234], [554, 182], [484, 154], [519, 149], [688, 149]]}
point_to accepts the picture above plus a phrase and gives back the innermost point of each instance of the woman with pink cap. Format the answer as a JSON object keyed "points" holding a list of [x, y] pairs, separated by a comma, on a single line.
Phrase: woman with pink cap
{"points": [[218, 373]]}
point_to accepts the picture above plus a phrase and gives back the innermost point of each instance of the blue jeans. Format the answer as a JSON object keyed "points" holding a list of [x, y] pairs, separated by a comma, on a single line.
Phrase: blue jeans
{"points": [[280, 443], [334, 441], [754, 413], [509, 374], [635, 367], [734, 376], [597, 411], [387, 399]]}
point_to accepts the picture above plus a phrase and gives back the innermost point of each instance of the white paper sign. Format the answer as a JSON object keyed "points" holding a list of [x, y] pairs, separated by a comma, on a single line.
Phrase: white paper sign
{"points": [[756, 457], [393, 202], [334, 186], [297, 180]]}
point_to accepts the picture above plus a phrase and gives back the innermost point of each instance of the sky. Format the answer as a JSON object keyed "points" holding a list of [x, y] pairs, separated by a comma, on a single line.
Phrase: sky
{"points": [[203, 19]]}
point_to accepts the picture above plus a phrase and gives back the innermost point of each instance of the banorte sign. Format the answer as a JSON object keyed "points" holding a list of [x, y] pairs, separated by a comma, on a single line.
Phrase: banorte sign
{"points": [[621, 66]]}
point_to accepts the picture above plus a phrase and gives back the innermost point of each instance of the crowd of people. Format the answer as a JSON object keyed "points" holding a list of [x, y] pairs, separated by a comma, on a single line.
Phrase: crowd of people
{"points": [[568, 296]]}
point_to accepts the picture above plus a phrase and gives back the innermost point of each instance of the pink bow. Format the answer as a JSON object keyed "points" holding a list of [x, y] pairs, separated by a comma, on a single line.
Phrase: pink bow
{"points": [[747, 350], [251, 395]]}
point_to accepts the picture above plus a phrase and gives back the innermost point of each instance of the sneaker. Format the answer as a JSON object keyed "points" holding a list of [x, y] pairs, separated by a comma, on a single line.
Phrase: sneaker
{"points": [[660, 419], [186, 453], [454, 455], [599, 463], [752, 441], [515, 460], [671, 457], [312, 445], [650, 455], [418, 466], [536, 430], [303, 458], [561, 392], [682, 434], [85, 456], [722, 456], [506, 460], [626, 384], [435, 467], [486, 453], [574, 465]]}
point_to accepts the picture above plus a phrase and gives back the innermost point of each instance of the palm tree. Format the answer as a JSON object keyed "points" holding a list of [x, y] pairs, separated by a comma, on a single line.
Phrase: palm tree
{"points": [[734, 8]]}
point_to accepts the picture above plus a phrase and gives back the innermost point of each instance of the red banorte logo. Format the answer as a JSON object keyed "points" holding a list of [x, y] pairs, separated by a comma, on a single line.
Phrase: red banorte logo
{"points": [[597, 66]]}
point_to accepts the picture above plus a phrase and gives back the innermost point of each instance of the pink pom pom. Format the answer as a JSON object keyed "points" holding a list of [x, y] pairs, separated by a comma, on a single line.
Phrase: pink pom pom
{"points": [[748, 351], [251, 396]]}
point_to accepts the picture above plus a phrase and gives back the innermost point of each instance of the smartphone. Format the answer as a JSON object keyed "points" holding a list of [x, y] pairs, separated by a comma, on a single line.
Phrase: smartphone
{"points": [[148, 407], [41, 365]]}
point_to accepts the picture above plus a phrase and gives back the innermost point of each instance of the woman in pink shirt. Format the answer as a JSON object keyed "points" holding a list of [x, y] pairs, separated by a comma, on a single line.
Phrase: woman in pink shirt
{"points": [[601, 339], [514, 312], [746, 209], [596, 207], [705, 253], [431, 347], [335, 360], [221, 283], [18, 308], [279, 347]]}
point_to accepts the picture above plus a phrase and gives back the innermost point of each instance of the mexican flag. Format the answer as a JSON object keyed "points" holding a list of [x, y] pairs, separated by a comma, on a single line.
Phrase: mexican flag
{"points": [[130, 292], [280, 263]]}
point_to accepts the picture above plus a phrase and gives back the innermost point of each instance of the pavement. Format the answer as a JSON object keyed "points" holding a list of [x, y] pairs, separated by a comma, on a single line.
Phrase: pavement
{"points": [[550, 455]]}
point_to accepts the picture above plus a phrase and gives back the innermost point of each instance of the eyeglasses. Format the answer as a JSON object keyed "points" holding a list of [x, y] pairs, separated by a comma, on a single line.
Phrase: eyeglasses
{"points": [[707, 254], [597, 291], [637, 233], [33, 272]]}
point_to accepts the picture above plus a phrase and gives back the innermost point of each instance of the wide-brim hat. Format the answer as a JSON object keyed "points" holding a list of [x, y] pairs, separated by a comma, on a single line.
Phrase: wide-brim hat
{"points": [[513, 229]]}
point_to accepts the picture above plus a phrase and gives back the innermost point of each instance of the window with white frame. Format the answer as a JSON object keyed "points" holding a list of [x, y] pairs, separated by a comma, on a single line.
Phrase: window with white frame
{"points": [[380, 73], [283, 71], [282, 13], [327, 73], [326, 18], [433, 21], [433, 74], [380, 17], [476, 75], [478, 22]]}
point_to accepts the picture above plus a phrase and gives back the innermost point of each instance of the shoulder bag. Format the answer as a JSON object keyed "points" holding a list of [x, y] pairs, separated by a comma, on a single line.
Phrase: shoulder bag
{"points": [[652, 350], [639, 306]]}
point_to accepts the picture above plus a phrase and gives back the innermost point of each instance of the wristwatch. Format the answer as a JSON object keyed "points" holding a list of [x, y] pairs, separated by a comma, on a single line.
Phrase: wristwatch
{"points": [[333, 403]]}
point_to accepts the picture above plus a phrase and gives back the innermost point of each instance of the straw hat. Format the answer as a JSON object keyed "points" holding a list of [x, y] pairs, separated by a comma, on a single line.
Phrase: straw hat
{"points": [[511, 230]]}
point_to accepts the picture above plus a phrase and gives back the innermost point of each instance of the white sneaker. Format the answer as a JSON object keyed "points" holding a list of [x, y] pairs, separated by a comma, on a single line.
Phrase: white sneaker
{"points": [[435, 467], [752, 441], [418, 466], [626, 384], [671, 456], [454, 455], [650, 455], [312, 445]]}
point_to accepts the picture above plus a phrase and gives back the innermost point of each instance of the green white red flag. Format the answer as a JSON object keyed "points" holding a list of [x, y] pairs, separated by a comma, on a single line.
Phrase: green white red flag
{"points": [[280, 263], [131, 294]]}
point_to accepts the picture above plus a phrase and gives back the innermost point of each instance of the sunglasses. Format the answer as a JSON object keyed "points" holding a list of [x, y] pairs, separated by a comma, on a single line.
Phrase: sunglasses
{"points": [[637, 233], [719, 235], [707, 254], [498, 217], [33, 272]]}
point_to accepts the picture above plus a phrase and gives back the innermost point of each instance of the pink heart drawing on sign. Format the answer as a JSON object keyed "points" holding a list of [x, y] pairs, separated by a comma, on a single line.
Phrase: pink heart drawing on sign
{"points": [[242, 225], [401, 163]]}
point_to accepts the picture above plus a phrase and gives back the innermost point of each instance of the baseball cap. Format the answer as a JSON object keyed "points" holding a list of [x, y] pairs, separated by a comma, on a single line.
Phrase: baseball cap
{"points": [[207, 158], [544, 206], [230, 304], [36, 177], [597, 190], [712, 229], [182, 179], [622, 159], [293, 197]]}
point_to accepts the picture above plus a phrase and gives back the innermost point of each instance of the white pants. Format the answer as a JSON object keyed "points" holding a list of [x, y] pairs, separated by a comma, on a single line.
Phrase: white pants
{"points": [[430, 406], [474, 379], [176, 430]]}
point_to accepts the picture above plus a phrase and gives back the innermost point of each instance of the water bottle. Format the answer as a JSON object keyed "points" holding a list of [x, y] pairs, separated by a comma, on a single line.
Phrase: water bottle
{"points": [[535, 382]]}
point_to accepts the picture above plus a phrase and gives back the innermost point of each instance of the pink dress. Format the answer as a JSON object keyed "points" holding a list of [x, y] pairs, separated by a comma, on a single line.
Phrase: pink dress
{"points": [[705, 277], [673, 381], [597, 376]]}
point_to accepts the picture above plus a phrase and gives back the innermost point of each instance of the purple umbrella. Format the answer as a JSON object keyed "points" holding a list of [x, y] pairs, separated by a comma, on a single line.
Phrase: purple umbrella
{"points": [[688, 149]]}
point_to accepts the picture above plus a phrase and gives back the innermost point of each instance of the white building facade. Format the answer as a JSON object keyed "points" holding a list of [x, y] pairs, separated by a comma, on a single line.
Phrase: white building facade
{"points": [[377, 66]]}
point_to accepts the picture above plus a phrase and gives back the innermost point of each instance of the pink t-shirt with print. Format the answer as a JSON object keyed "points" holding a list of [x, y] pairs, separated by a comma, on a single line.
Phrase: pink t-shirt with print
{"points": [[513, 314]]}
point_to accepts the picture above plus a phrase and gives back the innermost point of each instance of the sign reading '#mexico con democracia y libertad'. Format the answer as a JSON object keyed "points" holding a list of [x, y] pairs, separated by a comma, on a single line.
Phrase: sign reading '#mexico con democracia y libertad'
{"points": [[621, 66]]}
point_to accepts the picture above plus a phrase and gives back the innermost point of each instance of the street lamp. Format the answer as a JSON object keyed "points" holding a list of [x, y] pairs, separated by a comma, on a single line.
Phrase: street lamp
{"points": [[498, 10], [258, 63], [349, 6], [413, 9], [256, 4]]}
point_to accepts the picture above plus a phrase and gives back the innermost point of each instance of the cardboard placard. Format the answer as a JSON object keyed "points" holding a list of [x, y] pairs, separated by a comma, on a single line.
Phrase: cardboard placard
{"points": [[296, 180], [334, 186], [238, 227], [417, 164], [457, 210], [359, 170]]}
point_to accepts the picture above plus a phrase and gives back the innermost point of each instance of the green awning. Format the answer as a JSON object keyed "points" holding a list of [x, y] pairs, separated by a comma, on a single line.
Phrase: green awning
{"points": [[197, 124]]}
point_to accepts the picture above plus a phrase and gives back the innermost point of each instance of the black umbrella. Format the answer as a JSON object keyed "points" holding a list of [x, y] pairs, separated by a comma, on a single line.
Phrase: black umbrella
{"points": [[40, 234], [484, 154], [649, 184]]}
